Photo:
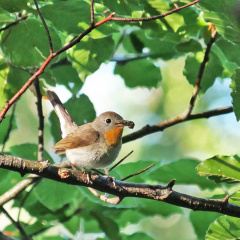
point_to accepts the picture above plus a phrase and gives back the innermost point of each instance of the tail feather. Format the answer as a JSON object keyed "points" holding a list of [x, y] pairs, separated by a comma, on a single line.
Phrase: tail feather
{"points": [[67, 124]]}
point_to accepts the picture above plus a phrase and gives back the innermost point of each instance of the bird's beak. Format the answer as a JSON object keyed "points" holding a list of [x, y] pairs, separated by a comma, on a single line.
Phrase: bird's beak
{"points": [[123, 123]]}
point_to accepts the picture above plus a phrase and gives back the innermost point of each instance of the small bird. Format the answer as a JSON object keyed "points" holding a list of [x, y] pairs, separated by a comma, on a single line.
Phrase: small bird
{"points": [[92, 145]]}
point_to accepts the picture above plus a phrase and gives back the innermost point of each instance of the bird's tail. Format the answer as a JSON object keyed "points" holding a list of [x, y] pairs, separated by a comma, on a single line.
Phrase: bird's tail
{"points": [[67, 124]]}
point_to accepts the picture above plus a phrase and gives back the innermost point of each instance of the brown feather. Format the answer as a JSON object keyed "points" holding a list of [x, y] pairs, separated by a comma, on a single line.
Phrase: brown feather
{"points": [[81, 138]]}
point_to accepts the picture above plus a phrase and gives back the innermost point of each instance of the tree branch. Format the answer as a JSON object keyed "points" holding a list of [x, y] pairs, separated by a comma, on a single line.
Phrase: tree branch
{"points": [[197, 86], [176, 9], [45, 26], [4, 237], [41, 121], [14, 23], [71, 44], [159, 127], [16, 224], [9, 128], [120, 189], [92, 12], [21, 186]]}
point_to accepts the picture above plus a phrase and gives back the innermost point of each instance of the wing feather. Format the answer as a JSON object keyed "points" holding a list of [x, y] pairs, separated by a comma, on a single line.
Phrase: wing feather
{"points": [[79, 138]]}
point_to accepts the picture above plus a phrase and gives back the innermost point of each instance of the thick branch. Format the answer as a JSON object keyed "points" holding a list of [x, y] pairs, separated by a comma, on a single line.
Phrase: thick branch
{"points": [[159, 127], [119, 188]]}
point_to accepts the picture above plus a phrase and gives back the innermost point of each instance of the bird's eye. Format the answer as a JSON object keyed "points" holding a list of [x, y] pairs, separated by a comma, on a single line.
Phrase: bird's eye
{"points": [[108, 120]]}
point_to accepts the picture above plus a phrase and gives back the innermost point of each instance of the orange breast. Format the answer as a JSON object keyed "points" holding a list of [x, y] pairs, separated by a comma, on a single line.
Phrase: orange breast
{"points": [[114, 136]]}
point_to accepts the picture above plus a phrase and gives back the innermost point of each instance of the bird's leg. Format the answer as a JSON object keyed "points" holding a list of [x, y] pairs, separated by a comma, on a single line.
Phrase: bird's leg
{"points": [[75, 166], [109, 177]]}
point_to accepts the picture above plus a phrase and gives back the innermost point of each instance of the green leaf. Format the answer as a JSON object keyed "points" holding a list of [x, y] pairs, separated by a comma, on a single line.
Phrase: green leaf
{"points": [[192, 66], [5, 126], [14, 5], [66, 16], [137, 236], [126, 169], [54, 195], [35, 49], [205, 218], [152, 208], [221, 169], [121, 7], [67, 75], [224, 228], [235, 198], [235, 85], [5, 18], [8, 180], [90, 54], [107, 224], [140, 73], [156, 47], [15, 80], [73, 224], [226, 21], [27, 151], [230, 50], [174, 170], [85, 113], [189, 46]]}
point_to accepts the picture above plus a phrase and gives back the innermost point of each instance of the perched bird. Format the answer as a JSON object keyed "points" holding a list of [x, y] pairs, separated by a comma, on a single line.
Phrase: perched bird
{"points": [[92, 145]]}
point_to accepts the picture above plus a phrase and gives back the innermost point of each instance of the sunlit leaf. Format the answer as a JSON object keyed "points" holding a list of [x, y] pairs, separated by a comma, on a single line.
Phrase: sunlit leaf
{"points": [[224, 228], [36, 45], [174, 170], [66, 15], [205, 218], [235, 85], [221, 169], [141, 73], [54, 195]]}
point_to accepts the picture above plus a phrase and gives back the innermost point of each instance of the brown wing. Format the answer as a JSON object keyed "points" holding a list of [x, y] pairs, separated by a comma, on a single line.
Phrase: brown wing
{"points": [[79, 138]]}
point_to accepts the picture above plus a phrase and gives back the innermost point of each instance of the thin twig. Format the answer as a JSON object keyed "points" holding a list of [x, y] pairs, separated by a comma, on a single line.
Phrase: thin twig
{"points": [[92, 12], [121, 19], [9, 128], [24, 200], [14, 23], [16, 224], [103, 198], [159, 127], [61, 50], [137, 173], [61, 220], [41, 121], [21, 186], [45, 26], [197, 86], [125, 60], [108, 18], [110, 169], [5, 237]]}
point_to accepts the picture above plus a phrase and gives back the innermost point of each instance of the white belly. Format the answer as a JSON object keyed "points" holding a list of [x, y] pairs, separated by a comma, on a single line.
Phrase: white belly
{"points": [[91, 158]]}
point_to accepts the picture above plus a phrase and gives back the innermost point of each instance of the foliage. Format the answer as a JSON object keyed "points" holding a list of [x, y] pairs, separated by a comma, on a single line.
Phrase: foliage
{"points": [[141, 51]]}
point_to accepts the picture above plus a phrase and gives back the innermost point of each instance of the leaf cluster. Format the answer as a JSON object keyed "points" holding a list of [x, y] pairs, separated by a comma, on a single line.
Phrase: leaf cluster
{"points": [[139, 50]]}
